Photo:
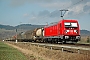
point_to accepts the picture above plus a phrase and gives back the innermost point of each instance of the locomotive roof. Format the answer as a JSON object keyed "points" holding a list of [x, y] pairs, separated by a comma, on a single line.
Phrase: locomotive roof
{"points": [[69, 20], [51, 24], [54, 23]]}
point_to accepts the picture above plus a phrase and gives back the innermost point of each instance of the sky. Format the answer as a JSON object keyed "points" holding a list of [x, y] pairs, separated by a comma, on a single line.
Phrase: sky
{"points": [[41, 12]]}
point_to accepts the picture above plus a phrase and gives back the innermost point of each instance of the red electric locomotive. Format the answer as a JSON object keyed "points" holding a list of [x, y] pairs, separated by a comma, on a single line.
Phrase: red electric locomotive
{"points": [[63, 31]]}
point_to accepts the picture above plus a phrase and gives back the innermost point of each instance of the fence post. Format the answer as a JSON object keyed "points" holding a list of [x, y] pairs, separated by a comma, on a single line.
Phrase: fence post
{"points": [[62, 49], [78, 51], [3, 40], [16, 41], [51, 48], [44, 46], [38, 45]]}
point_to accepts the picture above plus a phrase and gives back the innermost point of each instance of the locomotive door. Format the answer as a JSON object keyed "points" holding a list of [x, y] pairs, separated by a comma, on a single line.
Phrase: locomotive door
{"points": [[60, 29]]}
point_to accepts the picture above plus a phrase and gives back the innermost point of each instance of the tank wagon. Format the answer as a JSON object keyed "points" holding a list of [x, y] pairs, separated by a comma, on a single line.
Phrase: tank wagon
{"points": [[31, 35]]}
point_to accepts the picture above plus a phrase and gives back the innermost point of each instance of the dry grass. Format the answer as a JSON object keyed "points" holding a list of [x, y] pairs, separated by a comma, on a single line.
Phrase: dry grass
{"points": [[39, 53], [84, 39]]}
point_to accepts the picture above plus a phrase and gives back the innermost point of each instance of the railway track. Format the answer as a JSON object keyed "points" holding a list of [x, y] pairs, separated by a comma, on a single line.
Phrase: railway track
{"points": [[87, 45], [67, 44], [78, 44]]}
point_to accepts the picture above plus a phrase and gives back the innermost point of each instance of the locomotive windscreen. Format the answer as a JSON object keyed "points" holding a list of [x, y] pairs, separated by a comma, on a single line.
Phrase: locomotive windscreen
{"points": [[69, 24]]}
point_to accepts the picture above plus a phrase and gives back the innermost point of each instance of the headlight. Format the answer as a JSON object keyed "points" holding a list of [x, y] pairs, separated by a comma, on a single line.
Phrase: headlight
{"points": [[67, 31], [76, 31]]}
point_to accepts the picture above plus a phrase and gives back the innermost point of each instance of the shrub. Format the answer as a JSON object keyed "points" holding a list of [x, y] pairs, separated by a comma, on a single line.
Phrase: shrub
{"points": [[88, 40]]}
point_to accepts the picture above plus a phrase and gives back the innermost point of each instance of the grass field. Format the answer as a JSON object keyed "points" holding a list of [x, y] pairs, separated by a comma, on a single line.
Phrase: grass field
{"points": [[10, 53]]}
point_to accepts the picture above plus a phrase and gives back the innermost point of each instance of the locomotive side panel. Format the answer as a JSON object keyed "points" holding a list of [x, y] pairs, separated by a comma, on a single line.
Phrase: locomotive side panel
{"points": [[51, 31], [60, 28]]}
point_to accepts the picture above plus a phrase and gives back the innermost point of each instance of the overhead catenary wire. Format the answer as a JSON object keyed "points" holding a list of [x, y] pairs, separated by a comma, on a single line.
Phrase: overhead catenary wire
{"points": [[77, 14], [67, 8], [45, 17], [74, 4]]}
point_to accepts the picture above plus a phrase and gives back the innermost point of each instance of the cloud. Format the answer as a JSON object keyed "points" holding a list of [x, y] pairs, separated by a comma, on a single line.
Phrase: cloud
{"points": [[86, 8], [75, 7], [54, 14], [49, 14], [34, 18], [80, 1], [57, 5], [45, 16], [26, 15], [82, 4], [44, 13], [16, 3], [22, 2], [79, 8]]}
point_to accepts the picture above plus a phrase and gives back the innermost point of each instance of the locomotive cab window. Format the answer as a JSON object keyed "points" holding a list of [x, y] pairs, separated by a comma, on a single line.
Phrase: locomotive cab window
{"points": [[69, 24], [74, 24]]}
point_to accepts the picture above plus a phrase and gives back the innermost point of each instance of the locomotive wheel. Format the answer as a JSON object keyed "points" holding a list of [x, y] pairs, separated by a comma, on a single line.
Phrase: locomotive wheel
{"points": [[56, 41], [75, 41], [63, 41]]}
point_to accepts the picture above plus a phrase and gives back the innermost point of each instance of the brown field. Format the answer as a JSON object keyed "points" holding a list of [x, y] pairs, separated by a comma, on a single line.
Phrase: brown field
{"points": [[84, 39], [40, 53]]}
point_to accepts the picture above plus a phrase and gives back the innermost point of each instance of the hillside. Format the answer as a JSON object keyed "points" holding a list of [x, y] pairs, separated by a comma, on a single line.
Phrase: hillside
{"points": [[8, 31], [7, 27], [22, 26], [85, 32]]}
